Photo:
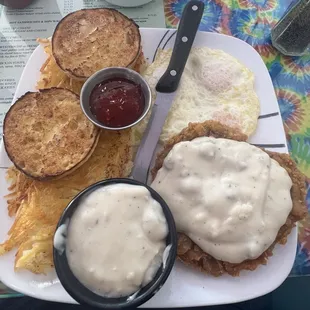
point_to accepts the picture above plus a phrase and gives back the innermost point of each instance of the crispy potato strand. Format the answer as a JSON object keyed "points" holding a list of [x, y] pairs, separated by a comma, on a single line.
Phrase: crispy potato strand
{"points": [[37, 206]]}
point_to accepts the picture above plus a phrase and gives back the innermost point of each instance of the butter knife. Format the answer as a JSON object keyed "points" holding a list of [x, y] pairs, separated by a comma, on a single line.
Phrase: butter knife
{"points": [[166, 87]]}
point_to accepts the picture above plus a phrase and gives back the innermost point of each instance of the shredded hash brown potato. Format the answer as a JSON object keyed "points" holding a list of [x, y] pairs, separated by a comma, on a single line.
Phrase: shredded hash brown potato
{"points": [[37, 206], [52, 76]]}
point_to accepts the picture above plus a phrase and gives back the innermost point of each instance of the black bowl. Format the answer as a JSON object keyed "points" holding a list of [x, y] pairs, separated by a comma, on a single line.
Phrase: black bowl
{"points": [[87, 297]]}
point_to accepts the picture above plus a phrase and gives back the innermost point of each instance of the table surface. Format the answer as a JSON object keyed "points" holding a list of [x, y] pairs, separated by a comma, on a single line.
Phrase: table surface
{"points": [[251, 21]]}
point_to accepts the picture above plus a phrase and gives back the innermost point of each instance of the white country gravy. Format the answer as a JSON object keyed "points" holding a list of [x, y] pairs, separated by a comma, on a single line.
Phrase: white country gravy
{"points": [[116, 239], [229, 197]]}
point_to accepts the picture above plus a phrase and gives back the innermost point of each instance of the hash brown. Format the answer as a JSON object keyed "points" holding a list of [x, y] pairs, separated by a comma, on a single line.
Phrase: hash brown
{"points": [[52, 76], [191, 254], [88, 40], [39, 205], [30, 200], [47, 135]]}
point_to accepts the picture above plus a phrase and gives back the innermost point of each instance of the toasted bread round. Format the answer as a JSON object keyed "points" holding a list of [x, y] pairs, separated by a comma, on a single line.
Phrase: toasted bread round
{"points": [[46, 135], [86, 41], [189, 252]]}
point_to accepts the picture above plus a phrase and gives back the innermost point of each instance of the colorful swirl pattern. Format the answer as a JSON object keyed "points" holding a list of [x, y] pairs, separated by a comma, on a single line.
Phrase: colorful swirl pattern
{"points": [[251, 21]]}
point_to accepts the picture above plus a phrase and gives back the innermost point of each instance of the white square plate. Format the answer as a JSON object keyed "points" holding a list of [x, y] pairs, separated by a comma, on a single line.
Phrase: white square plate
{"points": [[185, 287]]}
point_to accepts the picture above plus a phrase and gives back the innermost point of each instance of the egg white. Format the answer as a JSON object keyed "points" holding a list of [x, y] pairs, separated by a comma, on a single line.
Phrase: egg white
{"points": [[214, 85]]}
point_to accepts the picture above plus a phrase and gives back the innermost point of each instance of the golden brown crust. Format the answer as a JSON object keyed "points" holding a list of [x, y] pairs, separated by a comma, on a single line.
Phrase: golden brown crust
{"points": [[46, 134], [191, 254], [88, 40]]}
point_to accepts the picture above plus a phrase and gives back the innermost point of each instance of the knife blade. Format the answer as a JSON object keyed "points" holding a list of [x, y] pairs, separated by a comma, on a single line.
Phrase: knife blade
{"points": [[167, 86]]}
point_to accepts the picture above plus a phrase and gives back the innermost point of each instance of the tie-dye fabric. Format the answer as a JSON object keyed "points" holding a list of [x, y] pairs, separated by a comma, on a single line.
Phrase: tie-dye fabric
{"points": [[251, 21]]}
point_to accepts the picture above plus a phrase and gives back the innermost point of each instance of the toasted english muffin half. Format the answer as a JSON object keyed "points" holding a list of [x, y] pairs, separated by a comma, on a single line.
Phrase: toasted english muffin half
{"points": [[189, 252], [89, 40], [46, 134]]}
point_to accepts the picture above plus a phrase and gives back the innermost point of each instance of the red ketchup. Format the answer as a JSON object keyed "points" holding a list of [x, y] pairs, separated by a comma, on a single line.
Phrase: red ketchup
{"points": [[117, 102]]}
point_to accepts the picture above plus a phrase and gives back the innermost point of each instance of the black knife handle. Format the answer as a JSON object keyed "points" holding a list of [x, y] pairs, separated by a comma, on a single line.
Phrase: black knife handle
{"points": [[186, 33]]}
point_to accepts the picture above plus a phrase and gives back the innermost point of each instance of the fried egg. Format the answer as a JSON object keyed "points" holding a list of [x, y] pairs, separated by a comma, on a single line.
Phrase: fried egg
{"points": [[214, 85]]}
